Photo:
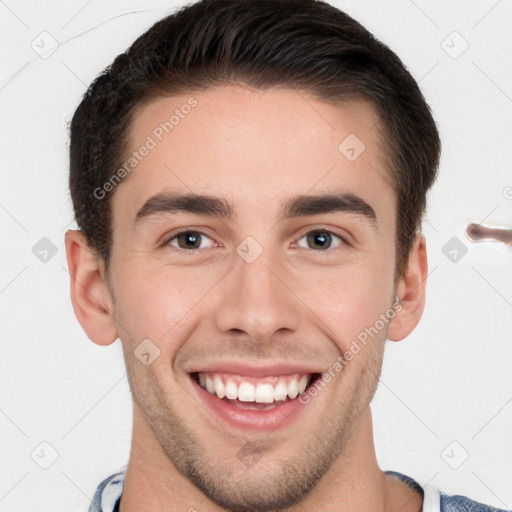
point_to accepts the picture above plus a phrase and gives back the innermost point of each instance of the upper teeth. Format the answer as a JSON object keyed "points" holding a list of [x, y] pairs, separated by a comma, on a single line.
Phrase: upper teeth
{"points": [[245, 391]]}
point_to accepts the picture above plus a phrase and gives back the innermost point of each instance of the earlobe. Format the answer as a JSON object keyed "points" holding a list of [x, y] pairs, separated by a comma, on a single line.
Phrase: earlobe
{"points": [[90, 296], [411, 288]]}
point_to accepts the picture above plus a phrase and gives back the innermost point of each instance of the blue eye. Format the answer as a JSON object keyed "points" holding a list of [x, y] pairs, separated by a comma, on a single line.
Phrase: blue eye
{"points": [[188, 240], [320, 239]]}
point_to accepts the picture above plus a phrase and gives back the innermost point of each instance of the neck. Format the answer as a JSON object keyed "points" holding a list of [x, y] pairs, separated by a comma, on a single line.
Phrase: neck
{"points": [[353, 483]]}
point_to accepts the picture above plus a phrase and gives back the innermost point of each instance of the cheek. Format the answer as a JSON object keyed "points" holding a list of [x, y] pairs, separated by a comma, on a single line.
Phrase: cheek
{"points": [[350, 301], [160, 303]]}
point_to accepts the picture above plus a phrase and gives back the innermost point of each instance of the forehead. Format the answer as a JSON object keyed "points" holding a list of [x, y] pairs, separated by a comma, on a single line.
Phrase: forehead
{"points": [[255, 148]]}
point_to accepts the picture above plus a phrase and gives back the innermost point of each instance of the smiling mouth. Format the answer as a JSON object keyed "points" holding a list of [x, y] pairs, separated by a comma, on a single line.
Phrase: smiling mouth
{"points": [[255, 393]]}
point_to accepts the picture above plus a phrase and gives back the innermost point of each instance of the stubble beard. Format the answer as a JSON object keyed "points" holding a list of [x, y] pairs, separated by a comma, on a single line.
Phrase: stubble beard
{"points": [[268, 485]]}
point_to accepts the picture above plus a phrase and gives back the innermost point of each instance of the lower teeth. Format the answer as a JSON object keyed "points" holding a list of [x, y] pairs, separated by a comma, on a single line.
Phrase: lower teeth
{"points": [[254, 405]]}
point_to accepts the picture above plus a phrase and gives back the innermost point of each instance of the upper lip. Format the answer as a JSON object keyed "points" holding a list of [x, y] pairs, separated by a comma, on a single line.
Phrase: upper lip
{"points": [[256, 369]]}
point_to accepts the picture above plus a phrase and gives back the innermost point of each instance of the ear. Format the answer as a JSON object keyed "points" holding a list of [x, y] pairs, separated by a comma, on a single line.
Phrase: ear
{"points": [[90, 296], [410, 290]]}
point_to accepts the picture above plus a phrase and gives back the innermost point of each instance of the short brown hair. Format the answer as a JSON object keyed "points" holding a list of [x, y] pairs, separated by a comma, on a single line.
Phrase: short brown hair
{"points": [[305, 44]]}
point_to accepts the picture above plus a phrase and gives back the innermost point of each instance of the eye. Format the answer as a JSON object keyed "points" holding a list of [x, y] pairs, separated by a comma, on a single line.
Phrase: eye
{"points": [[189, 240], [321, 239]]}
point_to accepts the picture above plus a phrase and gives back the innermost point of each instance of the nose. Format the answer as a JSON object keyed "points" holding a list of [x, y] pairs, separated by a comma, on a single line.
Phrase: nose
{"points": [[258, 299]]}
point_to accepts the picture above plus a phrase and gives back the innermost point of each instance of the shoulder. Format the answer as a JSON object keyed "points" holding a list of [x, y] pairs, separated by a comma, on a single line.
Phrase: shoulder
{"points": [[435, 500], [458, 503], [108, 493]]}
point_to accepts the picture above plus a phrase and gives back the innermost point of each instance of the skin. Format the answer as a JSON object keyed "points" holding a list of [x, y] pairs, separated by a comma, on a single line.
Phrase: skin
{"points": [[292, 304]]}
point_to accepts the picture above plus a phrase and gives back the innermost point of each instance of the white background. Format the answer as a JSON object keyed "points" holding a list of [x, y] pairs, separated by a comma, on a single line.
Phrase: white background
{"points": [[448, 382]]}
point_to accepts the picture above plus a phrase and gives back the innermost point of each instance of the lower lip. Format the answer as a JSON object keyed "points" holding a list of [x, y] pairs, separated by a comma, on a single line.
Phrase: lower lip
{"points": [[249, 419]]}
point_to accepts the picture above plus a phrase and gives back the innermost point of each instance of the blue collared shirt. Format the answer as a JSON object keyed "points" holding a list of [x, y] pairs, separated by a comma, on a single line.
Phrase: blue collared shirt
{"points": [[108, 495]]}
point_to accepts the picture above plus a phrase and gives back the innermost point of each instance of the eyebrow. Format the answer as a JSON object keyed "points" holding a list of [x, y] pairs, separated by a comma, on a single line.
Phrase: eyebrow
{"points": [[296, 206]]}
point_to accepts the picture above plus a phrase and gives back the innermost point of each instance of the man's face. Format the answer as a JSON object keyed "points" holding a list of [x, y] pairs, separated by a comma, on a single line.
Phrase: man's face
{"points": [[276, 290]]}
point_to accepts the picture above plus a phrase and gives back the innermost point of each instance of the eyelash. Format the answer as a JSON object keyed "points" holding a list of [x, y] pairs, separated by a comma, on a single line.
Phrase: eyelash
{"points": [[326, 252]]}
